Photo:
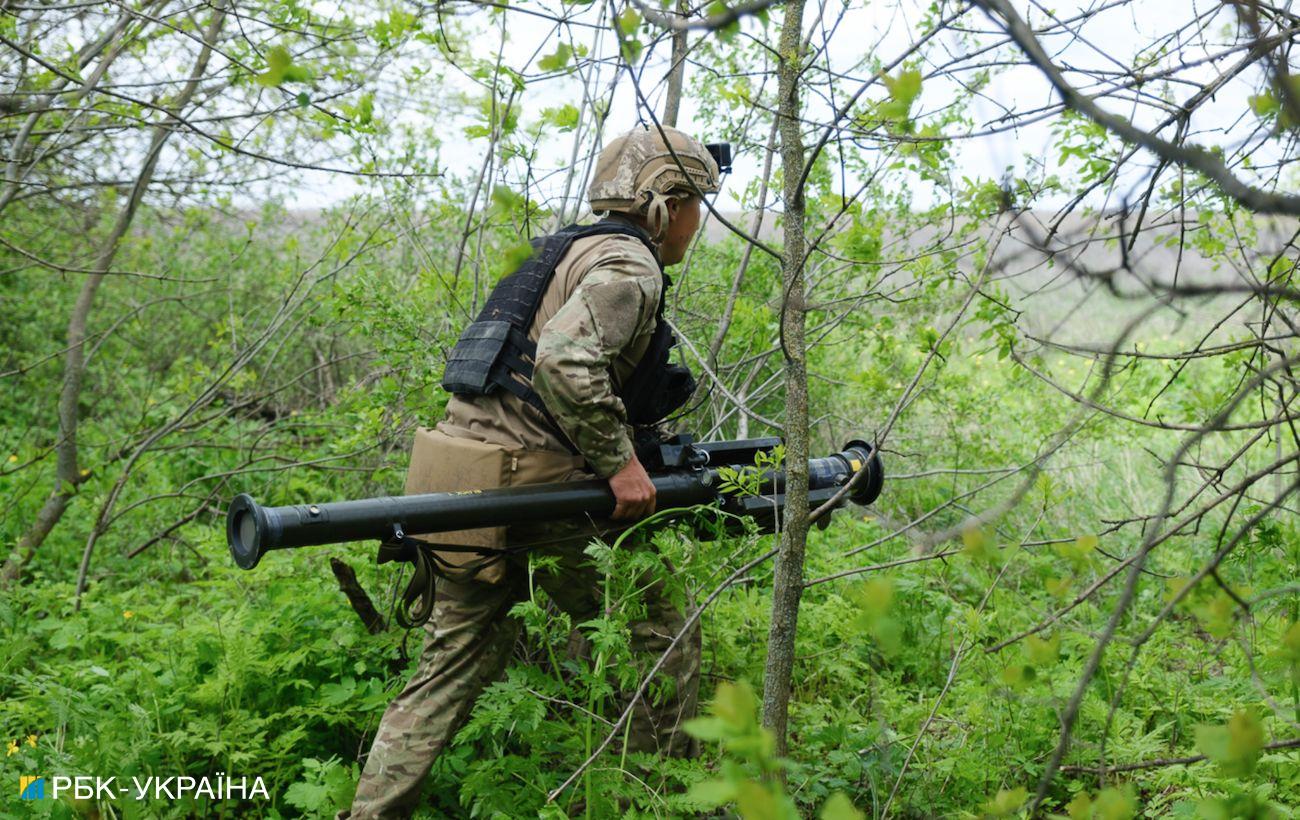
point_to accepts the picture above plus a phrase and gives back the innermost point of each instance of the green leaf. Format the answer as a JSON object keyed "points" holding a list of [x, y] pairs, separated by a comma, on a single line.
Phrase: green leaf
{"points": [[1236, 746], [904, 88], [756, 802], [875, 596], [281, 69], [564, 117], [1043, 652], [903, 91], [1114, 804], [558, 60], [1217, 615], [1080, 551], [1291, 641], [1264, 105], [1111, 804], [707, 728], [365, 110], [309, 797], [712, 793], [1006, 801], [736, 705], [277, 62], [974, 544], [1018, 676], [632, 48], [628, 22], [839, 807]]}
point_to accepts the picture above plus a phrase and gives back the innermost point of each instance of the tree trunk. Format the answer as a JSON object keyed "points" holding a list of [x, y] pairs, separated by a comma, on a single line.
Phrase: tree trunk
{"points": [[160, 136], [67, 473], [788, 576], [677, 70]]}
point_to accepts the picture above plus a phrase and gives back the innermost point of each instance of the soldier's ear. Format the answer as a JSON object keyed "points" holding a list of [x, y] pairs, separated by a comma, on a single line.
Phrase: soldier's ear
{"points": [[676, 204]]}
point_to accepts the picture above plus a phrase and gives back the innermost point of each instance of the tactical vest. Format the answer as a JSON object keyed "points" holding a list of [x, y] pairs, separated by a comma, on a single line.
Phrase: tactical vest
{"points": [[494, 353]]}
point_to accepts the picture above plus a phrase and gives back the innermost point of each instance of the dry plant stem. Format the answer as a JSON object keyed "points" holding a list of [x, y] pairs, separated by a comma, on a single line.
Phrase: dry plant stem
{"points": [[1293, 743], [1071, 713], [357, 597], [645, 681], [787, 578], [957, 658], [1196, 158], [1140, 641]]}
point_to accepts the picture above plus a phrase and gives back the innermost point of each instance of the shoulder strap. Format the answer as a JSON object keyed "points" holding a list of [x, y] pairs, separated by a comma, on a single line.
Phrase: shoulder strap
{"points": [[517, 297], [494, 352]]}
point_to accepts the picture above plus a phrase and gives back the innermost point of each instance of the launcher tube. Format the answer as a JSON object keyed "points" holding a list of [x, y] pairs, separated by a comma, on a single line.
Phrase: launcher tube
{"points": [[253, 530]]}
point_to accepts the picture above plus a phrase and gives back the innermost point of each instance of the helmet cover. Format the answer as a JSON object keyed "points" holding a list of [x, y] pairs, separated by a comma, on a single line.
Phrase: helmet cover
{"points": [[638, 171]]}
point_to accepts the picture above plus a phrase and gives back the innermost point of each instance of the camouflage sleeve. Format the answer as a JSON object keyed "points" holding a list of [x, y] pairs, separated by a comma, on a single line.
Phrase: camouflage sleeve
{"points": [[613, 305]]}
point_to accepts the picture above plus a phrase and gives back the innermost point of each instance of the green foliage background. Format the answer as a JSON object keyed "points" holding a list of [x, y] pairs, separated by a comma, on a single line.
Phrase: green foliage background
{"points": [[179, 663], [174, 662]]}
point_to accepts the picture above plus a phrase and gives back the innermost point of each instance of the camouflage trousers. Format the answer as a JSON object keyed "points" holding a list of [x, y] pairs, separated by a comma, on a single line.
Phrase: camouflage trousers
{"points": [[468, 643]]}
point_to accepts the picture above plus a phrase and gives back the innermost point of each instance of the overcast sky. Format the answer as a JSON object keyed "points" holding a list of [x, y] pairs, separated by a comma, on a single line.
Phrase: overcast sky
{"points": [[1108, 42]]}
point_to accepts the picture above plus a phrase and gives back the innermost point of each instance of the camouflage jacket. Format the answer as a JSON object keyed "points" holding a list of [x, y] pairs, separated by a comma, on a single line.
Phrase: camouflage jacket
{"points": [[592, 327]]}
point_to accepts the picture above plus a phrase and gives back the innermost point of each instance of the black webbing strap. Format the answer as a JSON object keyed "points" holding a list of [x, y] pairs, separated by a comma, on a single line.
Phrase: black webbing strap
{"points": [[526, 394], [525, 289], [516, 298], [417, 600]]}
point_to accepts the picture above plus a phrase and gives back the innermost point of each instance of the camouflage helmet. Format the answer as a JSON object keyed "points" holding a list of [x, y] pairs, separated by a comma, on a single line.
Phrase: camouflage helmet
{"points": [[637, 173]]}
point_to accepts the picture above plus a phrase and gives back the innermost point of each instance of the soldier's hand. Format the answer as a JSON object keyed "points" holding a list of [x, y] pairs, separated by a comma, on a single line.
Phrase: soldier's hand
{"points": [[634, 494]]}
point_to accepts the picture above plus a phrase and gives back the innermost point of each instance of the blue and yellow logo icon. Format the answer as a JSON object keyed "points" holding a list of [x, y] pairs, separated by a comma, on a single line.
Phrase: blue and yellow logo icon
{"points": [[31, 787]]}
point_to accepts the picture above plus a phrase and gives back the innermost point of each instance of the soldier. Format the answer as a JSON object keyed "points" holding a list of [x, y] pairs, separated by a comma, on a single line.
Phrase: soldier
{"points": [[555, 404]]}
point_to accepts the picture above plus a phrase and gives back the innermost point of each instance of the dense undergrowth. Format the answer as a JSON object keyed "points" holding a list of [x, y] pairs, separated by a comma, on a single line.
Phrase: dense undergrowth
{"points": [[175, 662]]}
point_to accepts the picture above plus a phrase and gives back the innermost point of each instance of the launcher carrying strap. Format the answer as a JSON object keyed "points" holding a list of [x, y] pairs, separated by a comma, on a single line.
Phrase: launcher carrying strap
{"points": [[417, 600]]}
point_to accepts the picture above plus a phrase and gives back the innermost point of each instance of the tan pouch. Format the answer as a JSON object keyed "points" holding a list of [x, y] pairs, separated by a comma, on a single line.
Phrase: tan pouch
{"points": [[443, 464]]}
